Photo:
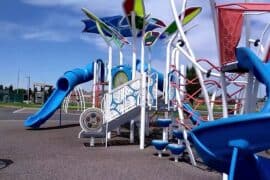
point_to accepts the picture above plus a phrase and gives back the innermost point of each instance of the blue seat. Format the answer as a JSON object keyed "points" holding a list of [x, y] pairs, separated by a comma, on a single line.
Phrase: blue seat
{"points": [[176, 149], [178, 134], [163, 122], [159, 145]]}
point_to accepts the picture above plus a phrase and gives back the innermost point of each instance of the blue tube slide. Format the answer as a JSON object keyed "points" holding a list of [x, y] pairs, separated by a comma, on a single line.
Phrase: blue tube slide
{"points": [[239, 137], [160, 75], [64, 86]]}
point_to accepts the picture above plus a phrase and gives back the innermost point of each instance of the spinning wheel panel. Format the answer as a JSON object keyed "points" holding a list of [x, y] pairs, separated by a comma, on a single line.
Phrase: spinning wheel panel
{"points": [[91, 119]]}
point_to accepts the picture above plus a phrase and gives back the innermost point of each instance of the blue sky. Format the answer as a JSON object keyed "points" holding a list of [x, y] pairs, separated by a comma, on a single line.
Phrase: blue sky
{"points": [[43, 39]]}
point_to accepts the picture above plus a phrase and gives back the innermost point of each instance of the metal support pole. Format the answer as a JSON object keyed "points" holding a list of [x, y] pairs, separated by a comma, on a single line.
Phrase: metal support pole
{"points": [[110, 69], [121, 58], [223, 82], [191, 54], [167, 71], [165, 134], [94, 85], [233, 163], [109, 80], [118, 131], [92, 142], [28, 89], [147, 126], [18, 81], [134, 34], [143, 95], [131, 135]]}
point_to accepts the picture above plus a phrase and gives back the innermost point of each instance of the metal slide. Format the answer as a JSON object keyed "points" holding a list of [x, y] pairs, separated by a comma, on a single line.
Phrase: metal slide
{"points": [[64, 86]]}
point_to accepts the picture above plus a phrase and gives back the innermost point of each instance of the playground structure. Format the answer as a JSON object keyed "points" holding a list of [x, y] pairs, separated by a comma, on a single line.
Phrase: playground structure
{"points": [[75, 97], [40, 92], [121, 96]]}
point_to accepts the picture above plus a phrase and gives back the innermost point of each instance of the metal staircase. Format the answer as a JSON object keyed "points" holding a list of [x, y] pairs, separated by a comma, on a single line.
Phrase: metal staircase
{"points": [[120, 106]]}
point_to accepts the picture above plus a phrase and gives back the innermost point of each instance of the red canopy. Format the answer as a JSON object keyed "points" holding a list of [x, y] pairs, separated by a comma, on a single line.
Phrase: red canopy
{"points": [[230, 22], [242, 7]]}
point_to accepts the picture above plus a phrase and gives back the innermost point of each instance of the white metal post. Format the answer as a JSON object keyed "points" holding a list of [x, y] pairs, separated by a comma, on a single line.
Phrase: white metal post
{"points": [[223, 82], [182, 88], [92, 142], [222, 75], [180, 94], [131, 135], [167, 71], [149, 60], [134, 51], [177, 60], [110, 77], [190, 52], [110, 69], [165, 134], [181, 118], [94, 86], [250, 79], [142, 50], [121, 58], [143, 108], [143, 96], [83, 99]]}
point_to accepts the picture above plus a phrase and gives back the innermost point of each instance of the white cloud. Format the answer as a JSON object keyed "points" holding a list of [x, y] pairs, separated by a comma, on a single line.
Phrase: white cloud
{"points": [[54, 3], [18, 31], [11, 30], [100, 7], [94, 40], [46, 36], [202, 38]]}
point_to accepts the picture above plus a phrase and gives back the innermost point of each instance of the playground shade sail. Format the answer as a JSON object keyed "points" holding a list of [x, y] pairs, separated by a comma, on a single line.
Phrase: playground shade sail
{"points": [[230, 23], [120, 24], [138, 7], [190, 14], [104, 29]]}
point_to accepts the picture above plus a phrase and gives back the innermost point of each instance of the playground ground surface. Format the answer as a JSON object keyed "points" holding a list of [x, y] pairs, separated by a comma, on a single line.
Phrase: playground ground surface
{"points": [[57, 153]]}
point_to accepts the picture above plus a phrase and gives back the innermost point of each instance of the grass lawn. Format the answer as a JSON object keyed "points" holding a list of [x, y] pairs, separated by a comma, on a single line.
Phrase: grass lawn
{"points": [[31, 105]]}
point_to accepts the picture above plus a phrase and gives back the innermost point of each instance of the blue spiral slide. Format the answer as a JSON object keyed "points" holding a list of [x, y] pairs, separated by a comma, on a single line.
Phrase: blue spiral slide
{"points": [[231, 144], [64, 86]]}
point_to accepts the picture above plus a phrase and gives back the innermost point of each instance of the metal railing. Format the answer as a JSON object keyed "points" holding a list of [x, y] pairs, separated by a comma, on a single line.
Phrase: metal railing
{"points": [[121, 100], [152, 91]]}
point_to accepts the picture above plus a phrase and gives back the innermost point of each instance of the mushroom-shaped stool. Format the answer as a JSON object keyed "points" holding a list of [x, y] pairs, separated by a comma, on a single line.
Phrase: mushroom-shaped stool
{"points": [[160, 145], [164, 123], [176, 150]]}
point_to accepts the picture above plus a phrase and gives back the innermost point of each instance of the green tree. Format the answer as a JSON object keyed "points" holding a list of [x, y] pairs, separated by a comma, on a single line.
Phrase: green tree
{"points": [[193, 86], [10, 89]]}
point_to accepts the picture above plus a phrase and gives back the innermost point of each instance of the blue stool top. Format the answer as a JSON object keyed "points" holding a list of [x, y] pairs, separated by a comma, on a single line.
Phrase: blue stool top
{"points": [[178, 134], [163, 122], [176, 149], [159, 144]]}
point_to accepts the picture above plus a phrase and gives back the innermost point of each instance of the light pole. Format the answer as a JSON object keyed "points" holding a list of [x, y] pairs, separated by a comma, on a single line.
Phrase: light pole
{"points": [[18, 80], [28, 89]]}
